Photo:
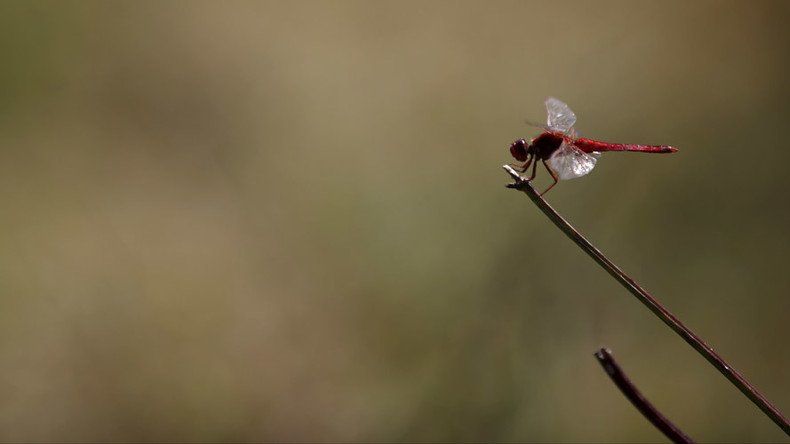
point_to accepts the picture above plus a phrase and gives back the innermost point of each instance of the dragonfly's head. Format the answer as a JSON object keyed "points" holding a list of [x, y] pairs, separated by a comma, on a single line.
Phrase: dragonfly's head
{"points": [[520, 149]]}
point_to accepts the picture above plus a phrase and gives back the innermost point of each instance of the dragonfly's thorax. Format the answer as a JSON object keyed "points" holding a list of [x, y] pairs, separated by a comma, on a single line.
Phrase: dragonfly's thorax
{"points": [[545, 144]]}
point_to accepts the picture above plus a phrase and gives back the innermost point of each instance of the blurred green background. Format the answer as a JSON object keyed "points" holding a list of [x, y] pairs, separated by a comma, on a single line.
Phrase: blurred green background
{"points": [[287, 221]]}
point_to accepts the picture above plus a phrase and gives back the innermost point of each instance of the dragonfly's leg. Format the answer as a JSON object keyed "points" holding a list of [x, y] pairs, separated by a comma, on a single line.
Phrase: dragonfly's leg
{"points": [[534, 166], [553, 175], [523, 167]]}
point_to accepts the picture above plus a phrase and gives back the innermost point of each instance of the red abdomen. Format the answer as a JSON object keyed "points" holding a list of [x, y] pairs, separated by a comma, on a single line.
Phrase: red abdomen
{"points": [[589, 145]]}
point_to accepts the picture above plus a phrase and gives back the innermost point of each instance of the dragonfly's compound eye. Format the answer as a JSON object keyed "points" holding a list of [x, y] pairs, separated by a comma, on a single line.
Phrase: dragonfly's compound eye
{"points": [[519, 150]]}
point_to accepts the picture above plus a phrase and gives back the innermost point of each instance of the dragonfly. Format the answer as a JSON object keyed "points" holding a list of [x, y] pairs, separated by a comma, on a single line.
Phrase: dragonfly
{"points": [[565, 155]]}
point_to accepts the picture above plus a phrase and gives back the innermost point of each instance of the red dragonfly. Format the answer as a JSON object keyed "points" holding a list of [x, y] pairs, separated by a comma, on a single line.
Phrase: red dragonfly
{"points": [[563, 154]]}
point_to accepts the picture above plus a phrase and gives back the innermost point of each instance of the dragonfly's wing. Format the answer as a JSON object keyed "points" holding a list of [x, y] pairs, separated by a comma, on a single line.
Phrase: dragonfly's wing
{"points": [[537, 125], [570, 162], [560, 117]]}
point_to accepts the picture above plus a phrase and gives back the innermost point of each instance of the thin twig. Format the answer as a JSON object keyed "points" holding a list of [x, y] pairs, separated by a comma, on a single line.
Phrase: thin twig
{"points": [[643, 405], [644, 297]]}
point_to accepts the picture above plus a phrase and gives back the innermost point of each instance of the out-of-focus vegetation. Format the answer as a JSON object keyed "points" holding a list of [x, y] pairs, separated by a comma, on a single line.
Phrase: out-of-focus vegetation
{"points": [[286, 221]]}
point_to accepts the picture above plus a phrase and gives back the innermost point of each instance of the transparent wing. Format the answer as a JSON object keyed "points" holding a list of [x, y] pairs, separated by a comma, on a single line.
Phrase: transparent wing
{"points": [[560, 117], [570, 162]]}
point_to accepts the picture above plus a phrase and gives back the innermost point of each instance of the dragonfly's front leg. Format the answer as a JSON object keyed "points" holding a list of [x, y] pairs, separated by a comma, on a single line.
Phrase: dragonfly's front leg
{"points": [[524, 167]]}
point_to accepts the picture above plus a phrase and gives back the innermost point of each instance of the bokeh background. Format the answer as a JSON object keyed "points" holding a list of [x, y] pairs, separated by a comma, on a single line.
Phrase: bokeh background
{"points": [[287, 221]]}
